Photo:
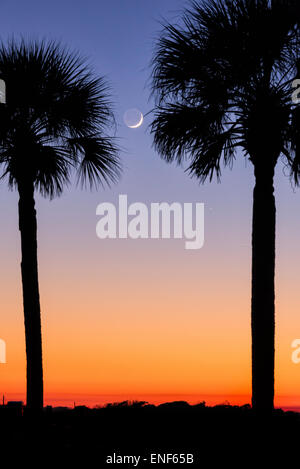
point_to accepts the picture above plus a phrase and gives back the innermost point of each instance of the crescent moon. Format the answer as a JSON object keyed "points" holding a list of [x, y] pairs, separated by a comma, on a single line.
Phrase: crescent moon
{"points": [[138, 124]]}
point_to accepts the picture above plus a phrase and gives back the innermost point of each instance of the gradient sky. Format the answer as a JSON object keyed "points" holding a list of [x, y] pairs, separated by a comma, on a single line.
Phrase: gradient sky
{"points": [[144, 319]]}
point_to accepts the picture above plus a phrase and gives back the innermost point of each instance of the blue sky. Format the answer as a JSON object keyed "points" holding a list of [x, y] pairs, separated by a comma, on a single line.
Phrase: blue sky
{"points": [[117, 37]]}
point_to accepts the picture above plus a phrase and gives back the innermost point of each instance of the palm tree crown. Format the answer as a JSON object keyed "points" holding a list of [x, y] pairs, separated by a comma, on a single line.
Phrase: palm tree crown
{"points": [[223, 79], [54, 120]]}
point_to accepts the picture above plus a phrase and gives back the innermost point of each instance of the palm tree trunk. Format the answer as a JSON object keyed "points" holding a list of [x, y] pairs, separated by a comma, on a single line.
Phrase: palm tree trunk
{"points": [[263, 294], [31, 300]]}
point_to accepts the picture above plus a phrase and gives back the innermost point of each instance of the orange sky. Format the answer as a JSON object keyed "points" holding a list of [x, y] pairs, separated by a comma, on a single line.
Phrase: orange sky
{"points": [[142, 319], [147, 319]]}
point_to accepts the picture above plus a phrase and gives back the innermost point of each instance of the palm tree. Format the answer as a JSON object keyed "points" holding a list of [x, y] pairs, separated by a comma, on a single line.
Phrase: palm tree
{"points": [[54, 122], [222, 80]]}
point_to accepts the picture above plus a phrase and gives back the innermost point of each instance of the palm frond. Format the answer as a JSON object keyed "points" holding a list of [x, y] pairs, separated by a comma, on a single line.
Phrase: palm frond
{"points": [[97, 160]]}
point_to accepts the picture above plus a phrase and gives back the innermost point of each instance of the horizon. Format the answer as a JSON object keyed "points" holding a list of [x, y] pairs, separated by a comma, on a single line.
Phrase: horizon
{"points": [[92, 401]]}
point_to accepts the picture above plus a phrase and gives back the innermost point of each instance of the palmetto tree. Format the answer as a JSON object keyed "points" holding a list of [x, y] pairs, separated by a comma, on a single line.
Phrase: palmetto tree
{"points": [[54, 123], [223, 79]]}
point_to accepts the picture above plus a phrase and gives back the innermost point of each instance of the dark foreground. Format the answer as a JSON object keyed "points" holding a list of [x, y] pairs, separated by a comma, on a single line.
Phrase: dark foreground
{"points": [[140, 435]]}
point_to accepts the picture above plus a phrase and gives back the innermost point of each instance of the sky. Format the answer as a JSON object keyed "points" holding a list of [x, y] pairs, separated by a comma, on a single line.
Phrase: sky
{"points": [[141, 319]]}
